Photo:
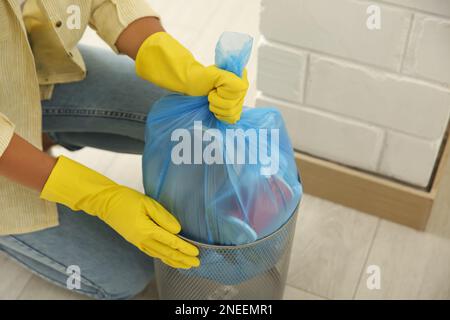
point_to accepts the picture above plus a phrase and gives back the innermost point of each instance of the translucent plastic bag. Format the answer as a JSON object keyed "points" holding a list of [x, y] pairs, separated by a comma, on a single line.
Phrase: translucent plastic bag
{"points": [[226, 184]]}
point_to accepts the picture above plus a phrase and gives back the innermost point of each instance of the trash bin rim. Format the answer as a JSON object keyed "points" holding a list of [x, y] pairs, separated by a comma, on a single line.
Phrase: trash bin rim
{"points": [[228, 247]]}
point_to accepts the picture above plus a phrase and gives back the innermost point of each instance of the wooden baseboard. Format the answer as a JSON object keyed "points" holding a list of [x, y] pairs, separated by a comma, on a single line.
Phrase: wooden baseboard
{"points": [[370, 193]]}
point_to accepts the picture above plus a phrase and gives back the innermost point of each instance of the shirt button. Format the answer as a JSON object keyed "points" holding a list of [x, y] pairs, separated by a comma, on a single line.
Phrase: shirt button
{"points": [[58, 24]]}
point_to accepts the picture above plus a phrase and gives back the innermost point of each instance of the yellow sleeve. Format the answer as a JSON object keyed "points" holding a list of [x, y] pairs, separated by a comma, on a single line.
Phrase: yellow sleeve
{"points": [[6, 132], [110, 17]]}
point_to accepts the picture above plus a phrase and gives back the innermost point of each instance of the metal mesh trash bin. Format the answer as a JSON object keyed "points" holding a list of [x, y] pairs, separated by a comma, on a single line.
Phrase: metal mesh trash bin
{"points": [[256, 270]]}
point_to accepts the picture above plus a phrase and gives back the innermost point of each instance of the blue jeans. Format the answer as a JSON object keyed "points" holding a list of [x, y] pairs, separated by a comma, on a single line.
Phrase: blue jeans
{"points": [[107, 110]]}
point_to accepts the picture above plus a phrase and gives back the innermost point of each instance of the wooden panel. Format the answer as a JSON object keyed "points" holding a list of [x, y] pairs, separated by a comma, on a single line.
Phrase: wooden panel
{"points": [[380, 196], [439, 222], [365, 192], [441, 172]]}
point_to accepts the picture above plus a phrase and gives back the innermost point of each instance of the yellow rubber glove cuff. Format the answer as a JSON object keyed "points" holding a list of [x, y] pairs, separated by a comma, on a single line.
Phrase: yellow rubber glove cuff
{"points": [[163, 61], [138, 218]]}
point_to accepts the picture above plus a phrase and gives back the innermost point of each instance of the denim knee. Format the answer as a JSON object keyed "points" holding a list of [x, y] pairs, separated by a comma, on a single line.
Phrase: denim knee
{"points": [[119, 292]]}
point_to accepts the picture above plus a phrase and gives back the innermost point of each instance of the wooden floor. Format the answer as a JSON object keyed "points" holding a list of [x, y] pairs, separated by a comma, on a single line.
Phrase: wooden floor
{"points": [[333, 246]]}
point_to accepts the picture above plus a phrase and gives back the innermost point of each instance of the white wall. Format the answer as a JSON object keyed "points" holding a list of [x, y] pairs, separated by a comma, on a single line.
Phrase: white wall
{"points": [[378, 100]]}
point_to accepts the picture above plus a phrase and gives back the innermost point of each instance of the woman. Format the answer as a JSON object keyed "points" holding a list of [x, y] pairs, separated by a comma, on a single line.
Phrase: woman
{"points": [[56, 212]]}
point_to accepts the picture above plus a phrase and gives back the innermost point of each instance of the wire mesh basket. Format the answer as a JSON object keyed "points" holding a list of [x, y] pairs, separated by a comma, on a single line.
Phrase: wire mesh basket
{"points": [[254, 271]]}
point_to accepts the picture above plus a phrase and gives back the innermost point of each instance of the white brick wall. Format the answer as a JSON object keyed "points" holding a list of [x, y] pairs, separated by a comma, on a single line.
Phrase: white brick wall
{"points": [[408, 159], [281, 72], [377, 97], [439, 7], [378, 100], [428, 55], [337, 27], [330, 136]]}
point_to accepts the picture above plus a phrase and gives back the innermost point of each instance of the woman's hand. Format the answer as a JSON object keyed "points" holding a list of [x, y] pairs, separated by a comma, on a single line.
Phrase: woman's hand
{"points": [[165, 62], [139, 219], [147, 225]]}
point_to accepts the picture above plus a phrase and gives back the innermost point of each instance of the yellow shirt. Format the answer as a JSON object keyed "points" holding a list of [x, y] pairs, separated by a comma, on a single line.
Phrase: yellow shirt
{"points": [[38, 49]]}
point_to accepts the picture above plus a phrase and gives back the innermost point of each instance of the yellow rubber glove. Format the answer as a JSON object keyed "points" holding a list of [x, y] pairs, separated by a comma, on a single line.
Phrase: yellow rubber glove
{"points": [[163, 61], [139, 219]]}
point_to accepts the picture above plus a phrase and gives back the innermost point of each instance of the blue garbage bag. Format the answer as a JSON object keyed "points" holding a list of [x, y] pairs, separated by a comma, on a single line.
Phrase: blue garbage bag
{"points": [[228, 184]]}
